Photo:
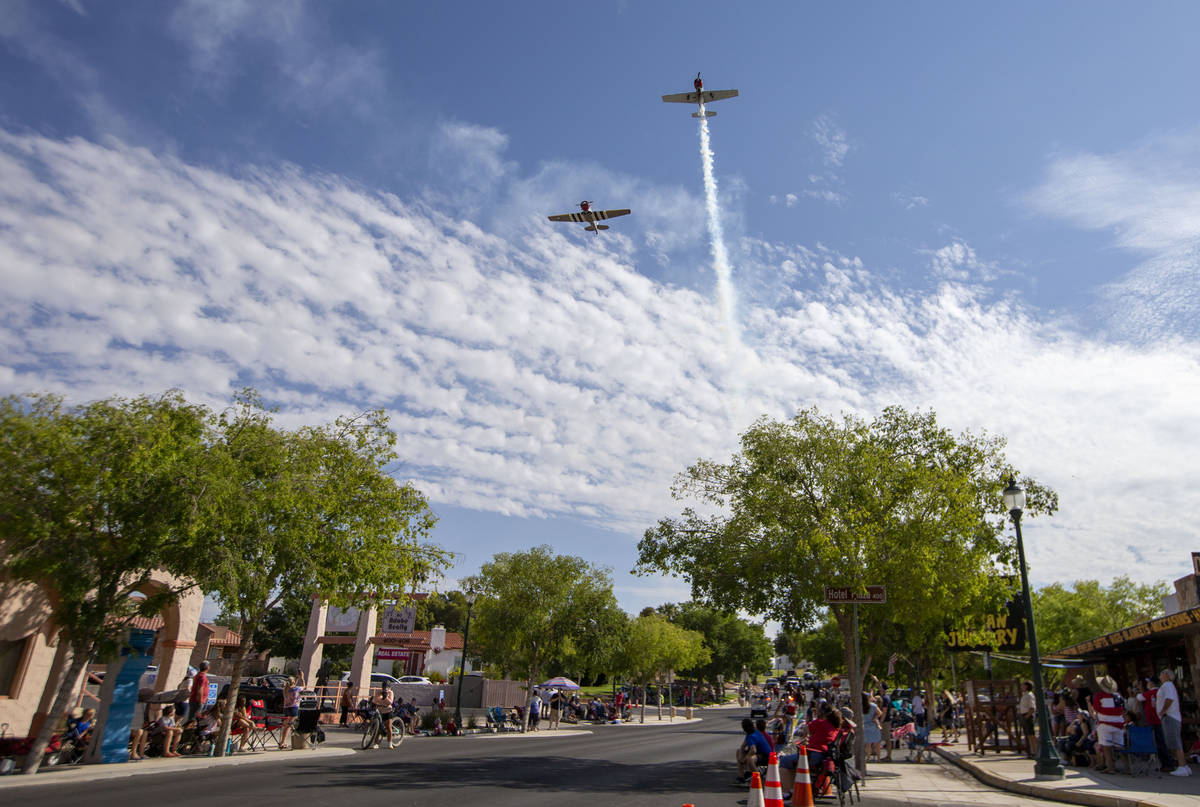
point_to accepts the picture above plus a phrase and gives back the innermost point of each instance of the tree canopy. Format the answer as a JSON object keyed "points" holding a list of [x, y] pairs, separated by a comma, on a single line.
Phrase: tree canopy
{"points": [[96, 498], [733, 643], [1067, 615], [817, 501], [309, 510], [536, 610]]}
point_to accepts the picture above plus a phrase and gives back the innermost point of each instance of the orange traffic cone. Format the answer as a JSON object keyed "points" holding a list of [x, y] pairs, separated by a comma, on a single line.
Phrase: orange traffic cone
{"points": [[756, 793], [773, 790], [802, 795]]}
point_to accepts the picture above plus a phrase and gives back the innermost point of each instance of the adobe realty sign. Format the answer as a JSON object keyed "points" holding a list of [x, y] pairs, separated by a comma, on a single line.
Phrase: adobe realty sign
{"points": [[1004, 631]]}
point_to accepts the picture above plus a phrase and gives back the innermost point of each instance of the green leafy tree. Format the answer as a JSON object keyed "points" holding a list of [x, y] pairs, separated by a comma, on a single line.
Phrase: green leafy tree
{"points": [[815, 502], [1067, 615], [733, 643], [282, 630], [822, 645], [95, 498], [310, 510], [654, 646], [448, 609], [536, 609]]}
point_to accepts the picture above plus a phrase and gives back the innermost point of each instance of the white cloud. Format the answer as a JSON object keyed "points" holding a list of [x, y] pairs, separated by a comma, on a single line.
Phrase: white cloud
{"points": [[1149, 199], [311, 71], [826, 195], [958, 261], [832, 140], [910, 201], [792, 199], [530, 371]]}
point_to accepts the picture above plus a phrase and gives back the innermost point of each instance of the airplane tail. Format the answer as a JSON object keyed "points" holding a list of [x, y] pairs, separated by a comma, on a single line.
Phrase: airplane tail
{"points": [[708, 113], [591, 228]]}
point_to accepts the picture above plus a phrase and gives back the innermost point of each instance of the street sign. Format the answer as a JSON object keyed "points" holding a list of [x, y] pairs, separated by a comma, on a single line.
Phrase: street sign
{"points": [[845, 595], [836, 681], [398, 620]]}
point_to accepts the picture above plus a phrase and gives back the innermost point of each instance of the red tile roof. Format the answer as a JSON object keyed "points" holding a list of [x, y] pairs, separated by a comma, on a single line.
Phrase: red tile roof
{"points": [[418, 640], [146, 622]]}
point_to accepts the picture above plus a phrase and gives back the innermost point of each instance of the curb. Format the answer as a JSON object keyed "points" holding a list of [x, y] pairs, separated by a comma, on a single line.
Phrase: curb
{"points": [[121, 770], [1064, 795]]}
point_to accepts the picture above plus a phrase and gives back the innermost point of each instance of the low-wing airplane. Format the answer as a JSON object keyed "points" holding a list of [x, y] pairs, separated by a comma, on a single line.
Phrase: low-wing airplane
{"points": [[701, 96], [590, 217]]}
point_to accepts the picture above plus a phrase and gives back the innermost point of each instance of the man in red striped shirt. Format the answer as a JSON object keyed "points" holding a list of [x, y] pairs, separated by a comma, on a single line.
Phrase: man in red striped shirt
{"points": [[1110, 721]]}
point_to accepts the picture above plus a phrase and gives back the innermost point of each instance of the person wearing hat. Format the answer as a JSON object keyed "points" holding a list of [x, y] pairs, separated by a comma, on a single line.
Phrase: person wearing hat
{"points": [[1110, 721], [1167, 704]]}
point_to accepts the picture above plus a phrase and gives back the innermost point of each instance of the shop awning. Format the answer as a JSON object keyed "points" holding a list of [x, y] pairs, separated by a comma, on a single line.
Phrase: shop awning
{"points": [[1172, 626]]}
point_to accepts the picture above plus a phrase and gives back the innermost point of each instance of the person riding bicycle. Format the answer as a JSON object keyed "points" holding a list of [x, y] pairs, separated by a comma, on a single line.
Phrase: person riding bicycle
{"points": [[383, 701]]}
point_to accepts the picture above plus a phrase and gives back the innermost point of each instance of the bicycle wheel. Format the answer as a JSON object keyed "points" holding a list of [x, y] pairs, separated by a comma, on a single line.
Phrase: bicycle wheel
{"points": [[397, 732], [371, 732]]}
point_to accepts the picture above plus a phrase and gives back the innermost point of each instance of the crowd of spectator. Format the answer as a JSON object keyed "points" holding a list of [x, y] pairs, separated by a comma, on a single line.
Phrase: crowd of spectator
{"points": [[1092, 728]]}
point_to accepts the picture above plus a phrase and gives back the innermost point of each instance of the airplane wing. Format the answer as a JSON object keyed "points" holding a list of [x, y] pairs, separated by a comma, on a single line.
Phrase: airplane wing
{"points": [[683, 98], [611, 214], [718, 95], [566, 217]]}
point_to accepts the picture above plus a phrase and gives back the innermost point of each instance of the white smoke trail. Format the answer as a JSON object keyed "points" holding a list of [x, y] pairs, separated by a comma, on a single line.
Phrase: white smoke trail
{"points": [[726, 296]]}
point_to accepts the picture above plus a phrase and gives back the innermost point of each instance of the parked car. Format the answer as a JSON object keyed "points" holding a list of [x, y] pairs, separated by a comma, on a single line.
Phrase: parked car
{"points": [[378, 679], [411, 679]]}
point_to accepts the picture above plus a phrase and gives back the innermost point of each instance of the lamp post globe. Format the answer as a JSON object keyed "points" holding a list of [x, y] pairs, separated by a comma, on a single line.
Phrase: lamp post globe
{"points": [[469, 596], [1048, 765]]}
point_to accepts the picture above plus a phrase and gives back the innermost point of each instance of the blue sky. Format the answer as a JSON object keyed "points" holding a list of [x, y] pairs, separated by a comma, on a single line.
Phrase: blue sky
{"points": [[993, 211]]}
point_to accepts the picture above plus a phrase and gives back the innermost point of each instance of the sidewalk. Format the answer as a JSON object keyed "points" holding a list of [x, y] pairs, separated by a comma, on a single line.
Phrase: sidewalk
{"points": [[73, 774], [1081, 786]]}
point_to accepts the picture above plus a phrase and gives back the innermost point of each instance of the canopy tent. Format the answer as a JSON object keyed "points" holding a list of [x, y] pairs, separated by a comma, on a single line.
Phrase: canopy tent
{"points": [[560, 683]]}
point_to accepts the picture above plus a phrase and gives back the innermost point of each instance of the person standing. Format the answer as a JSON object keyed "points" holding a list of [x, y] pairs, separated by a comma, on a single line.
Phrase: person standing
{"points": [[556, 705], [291, 708], [180, 712], [384, 703], [1026, 709], [1167, 704], [199, 694], [535, 710], [918, 708], [1147, 698], [1110, 721], [347, 702]]}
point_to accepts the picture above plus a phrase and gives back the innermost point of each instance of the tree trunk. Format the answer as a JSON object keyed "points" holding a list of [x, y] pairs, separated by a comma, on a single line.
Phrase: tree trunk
{"points": [[846, 624], [235, 684], [62, 701]]}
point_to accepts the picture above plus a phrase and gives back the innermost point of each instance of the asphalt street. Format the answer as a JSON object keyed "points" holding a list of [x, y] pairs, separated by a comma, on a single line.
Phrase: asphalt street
{"points": [[630, 765]]}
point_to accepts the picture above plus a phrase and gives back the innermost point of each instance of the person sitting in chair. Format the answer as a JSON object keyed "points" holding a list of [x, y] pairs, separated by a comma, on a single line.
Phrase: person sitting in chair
{"points": [[823, 734], [754, 751]]}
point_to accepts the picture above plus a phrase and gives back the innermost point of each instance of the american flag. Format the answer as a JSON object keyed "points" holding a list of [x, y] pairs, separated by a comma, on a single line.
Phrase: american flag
{"points": [[892, 663]]}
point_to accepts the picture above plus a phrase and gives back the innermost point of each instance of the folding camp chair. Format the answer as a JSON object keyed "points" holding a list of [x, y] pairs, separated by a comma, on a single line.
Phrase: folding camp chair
{"points": [[1140, 751], [846, 775], [266, 727]]}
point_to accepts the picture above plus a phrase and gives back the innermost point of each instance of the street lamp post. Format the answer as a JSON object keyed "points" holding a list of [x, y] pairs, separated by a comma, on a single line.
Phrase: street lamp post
{"points": [[1048, 765], [462, 664]]}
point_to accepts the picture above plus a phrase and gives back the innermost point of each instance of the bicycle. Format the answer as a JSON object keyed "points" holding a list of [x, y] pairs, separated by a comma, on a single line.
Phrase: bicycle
{"points": [[373, 730]]}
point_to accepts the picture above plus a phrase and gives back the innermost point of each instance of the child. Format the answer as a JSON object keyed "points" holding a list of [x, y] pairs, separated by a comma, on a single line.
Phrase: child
{"points": [[166, 728]]}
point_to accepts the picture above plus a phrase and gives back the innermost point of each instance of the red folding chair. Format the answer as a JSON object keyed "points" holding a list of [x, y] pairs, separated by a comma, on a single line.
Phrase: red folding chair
{"points": [[263, 728]]}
